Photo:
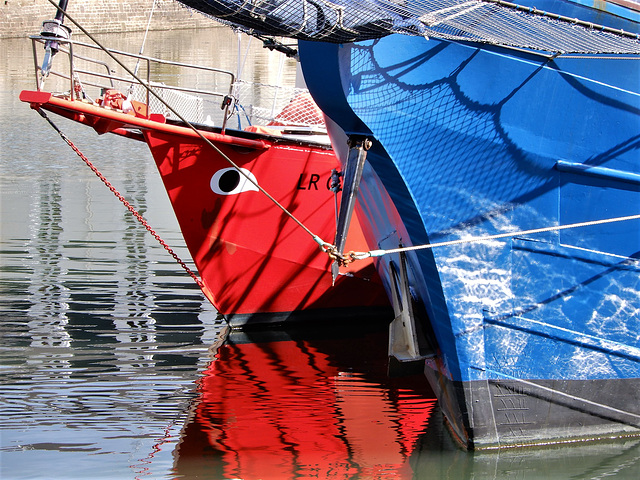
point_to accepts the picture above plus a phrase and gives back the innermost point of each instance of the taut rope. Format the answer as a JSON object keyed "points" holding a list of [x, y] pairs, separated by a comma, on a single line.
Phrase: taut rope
{"points": [[378, 253], [324, 246]]}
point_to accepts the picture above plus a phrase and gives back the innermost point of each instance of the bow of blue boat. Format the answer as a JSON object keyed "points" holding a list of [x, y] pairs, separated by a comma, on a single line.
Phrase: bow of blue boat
{"points": [[533, 337], [494, 151]]}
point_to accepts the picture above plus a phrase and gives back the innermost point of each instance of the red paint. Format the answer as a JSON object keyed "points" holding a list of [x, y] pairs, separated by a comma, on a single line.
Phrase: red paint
{"points": [[251, 257], [297, 409]]}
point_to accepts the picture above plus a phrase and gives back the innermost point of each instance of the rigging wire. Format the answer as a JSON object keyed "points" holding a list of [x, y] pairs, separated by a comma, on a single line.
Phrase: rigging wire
{"points": [[144, 39], [327, 247], [324, 246]]}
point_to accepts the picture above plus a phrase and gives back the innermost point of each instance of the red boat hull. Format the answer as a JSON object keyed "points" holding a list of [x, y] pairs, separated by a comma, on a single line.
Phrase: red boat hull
{"points": [[257, 265], [250, 254], [304, 408]]}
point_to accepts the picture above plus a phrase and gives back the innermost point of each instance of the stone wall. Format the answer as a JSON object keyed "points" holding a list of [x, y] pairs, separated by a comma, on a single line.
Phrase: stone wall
{"points": [[21, 18]]}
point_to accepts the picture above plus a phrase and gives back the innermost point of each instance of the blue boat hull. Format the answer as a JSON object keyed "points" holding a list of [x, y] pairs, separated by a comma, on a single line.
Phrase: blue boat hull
{"points": [[536, 337]]}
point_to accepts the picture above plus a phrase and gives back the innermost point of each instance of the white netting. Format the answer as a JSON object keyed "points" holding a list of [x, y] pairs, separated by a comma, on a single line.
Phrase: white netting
{"points": [[261, 104], [487, 21], [188, 106], [496, 23]]}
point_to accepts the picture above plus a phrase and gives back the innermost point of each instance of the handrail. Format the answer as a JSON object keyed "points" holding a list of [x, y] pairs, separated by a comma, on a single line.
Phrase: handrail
{"points": [[67, 47]]}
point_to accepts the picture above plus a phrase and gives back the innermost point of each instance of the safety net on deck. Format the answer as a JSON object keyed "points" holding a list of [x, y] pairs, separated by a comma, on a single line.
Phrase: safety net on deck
{"points": [[486, 21]]}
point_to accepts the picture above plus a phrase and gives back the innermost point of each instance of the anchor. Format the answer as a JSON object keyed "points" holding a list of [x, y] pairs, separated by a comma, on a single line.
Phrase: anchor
{"points": [[358, 146], [409, 343]]}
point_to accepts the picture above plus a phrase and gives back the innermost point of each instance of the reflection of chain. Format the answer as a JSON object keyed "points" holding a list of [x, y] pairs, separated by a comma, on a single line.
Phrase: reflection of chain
{"points": [[124, 201]]}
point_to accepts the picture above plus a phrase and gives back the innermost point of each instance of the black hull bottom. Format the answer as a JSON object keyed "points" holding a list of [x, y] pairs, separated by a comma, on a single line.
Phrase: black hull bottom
{"points": [[508, 413], [436, 456], [273, 319]]}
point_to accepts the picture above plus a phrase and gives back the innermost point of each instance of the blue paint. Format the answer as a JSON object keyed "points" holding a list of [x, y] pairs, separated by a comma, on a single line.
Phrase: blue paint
{"points": [[610, 174], [468, 142]]}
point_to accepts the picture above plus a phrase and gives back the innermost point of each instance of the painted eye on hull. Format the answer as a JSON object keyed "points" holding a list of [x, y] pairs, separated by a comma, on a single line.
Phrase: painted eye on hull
{"points": [[228, 181]]}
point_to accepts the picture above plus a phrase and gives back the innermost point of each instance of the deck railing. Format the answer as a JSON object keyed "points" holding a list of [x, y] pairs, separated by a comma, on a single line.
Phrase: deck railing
{"points": [[88, 71]]}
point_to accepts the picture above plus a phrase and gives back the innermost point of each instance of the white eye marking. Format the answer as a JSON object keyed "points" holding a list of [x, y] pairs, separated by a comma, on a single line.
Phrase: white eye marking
{"points": [[228, 181]]}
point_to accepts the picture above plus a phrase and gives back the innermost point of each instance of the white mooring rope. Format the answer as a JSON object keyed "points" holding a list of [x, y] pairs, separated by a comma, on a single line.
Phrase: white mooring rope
{"points": [[379, 253]]}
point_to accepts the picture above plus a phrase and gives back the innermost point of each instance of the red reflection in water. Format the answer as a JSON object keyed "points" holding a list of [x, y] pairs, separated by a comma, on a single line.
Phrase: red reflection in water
{"points": [[304, 409]]}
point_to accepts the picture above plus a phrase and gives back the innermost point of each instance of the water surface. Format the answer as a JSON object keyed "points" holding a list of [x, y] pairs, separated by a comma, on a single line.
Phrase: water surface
{"points": [[110, 361]]}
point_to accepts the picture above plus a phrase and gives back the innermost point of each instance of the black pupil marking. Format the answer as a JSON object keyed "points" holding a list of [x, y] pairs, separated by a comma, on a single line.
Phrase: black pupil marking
{"points": [[229, 180]]}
